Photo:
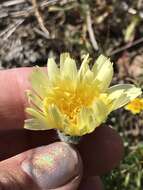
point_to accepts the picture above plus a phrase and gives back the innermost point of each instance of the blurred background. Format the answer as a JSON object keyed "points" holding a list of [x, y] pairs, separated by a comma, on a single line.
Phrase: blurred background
{"points": [[33, 30]]}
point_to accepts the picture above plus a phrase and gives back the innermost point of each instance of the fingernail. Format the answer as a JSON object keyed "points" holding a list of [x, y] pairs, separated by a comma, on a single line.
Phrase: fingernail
{"points": [[52, 166]]}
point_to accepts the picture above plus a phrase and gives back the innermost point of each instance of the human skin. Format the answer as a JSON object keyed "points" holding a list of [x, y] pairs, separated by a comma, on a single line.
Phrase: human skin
{"points": [[22, 152]]}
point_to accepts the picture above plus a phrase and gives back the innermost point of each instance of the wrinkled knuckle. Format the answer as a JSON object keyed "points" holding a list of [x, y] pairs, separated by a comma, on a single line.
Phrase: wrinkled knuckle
{"points": [[8, 182]]}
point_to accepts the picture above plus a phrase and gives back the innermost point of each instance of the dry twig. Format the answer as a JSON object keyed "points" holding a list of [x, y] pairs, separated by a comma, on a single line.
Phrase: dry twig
{"points": [[39, 18], [11, 29], [28, 10], [41, 33], [10, 9], [90, 30], [12, 3], [129, 45]]}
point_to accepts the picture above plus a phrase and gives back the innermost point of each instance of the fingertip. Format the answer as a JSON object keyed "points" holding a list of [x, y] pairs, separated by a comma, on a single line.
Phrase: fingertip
{"points": [[53, 166], [56, 166]]}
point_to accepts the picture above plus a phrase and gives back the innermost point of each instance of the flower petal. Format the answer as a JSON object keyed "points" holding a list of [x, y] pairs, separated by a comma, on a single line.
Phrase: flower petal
{"points": [[55, 117], [135, 106], [83, 68], [33, 99], [100, 111], [63, 57], [98, 64], [39, 116], [53, 70], [86, 122], [103, 72], [39, 81], [88, 77], [34, 124], [69, 69], [121, 94]]}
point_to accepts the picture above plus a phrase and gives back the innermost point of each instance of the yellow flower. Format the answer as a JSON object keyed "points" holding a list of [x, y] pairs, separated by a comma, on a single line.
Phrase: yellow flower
{"points": [[135, 106], [75, 101]]}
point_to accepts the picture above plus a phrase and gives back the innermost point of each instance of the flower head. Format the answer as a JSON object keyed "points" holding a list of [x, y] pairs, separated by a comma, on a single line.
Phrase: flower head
{"points": [[75, 101], [135, 106]]}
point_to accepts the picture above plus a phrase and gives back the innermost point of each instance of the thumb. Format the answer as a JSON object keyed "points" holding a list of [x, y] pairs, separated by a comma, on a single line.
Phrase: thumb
{"points": [[56, 166]]}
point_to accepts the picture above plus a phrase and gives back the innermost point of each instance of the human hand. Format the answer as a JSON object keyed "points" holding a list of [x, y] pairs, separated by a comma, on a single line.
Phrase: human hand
{"points": [[55, 165]]}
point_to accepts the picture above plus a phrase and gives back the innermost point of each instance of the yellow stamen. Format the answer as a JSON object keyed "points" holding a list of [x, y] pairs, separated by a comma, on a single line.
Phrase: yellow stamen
{"points": [[70, 101]]}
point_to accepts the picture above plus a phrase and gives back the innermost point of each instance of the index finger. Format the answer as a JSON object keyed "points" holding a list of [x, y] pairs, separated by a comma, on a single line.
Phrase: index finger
{"points": [[13, 84]]}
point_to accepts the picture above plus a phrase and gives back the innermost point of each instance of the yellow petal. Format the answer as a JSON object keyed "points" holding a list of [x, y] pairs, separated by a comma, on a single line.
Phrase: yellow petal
{"points": [[86, 122], [132, 109], [39, 81], [100, 111], [84, 68], [63, 57], [39, 116], [34, 124], [88, 77], [70, 129], [135, 106], [98, 64], [103, 72], [122, 94], [54, 116], [53, 70], [34, 99], [69, 69]]}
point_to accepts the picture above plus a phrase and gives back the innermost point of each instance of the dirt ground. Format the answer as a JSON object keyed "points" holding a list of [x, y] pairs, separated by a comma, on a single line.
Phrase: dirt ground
{"points": [[23, 42]]}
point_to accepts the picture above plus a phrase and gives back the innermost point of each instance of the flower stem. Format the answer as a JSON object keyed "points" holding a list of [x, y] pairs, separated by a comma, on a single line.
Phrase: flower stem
{"points": [[68, 139]]}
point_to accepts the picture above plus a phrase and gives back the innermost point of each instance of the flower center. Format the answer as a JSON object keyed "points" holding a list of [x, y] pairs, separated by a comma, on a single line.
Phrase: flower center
{"points": [[70, 100]]}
